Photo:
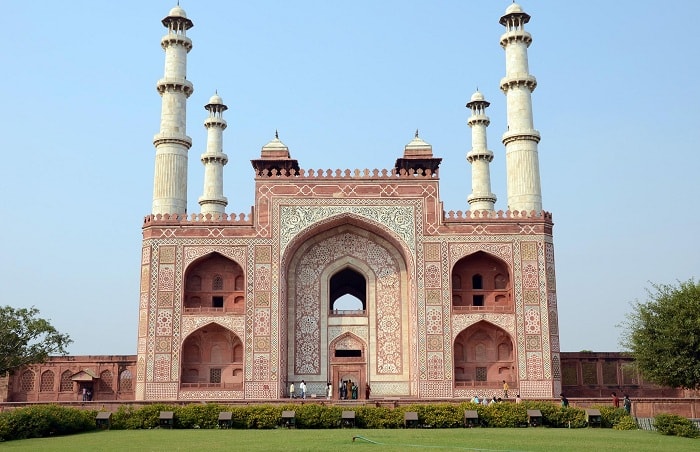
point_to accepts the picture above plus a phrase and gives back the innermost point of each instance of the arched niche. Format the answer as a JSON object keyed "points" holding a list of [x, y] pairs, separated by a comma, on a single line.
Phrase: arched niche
{"points": [[212, 358], [484, 357], [481, 282], [214, 283]]}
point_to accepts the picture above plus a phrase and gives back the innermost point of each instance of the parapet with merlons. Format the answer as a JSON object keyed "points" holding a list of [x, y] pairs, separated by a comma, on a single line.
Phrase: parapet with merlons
{"points": [[497, 222], [392, 174], [469, 215], [177, 219]]}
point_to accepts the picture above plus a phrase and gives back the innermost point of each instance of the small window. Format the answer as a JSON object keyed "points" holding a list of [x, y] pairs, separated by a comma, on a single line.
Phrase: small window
{"points": [[478, 300], [217, 302], [66, 382], [105, 383], [27, 381], [481, 374], [125, 380], [215, 375], [348, 353], [217, 283], [477, 282], [46, 383]]}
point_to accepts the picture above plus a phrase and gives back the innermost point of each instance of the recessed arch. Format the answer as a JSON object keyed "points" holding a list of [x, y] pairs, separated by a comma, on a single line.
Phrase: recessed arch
{"points": [[210, 356], [357, 252], [484, 357], [214, 283], [488, 280]]}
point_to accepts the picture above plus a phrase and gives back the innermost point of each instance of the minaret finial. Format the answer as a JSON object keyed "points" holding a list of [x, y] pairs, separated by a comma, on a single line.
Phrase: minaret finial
{"points": [[277, 135], [416, 133]]}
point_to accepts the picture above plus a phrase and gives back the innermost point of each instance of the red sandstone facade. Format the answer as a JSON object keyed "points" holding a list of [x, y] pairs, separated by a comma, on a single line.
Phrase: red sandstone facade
{"points": [[588, 376], [63, 379], [446, 304]]}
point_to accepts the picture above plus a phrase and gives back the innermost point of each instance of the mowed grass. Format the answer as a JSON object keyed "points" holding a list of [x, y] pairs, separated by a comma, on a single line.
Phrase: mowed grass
{"points": [[494, 439]]}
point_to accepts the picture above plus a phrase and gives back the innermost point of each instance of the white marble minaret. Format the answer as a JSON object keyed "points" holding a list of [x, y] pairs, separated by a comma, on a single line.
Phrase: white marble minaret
{"points": [[520, 140], [480, 157], [172, 142], [213, 200]]}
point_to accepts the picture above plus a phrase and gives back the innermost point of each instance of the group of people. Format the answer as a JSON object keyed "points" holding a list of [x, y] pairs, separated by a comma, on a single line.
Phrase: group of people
{"points": [[626, 402], [486, 400], [87, 394], [302, 390], [348, 390]]}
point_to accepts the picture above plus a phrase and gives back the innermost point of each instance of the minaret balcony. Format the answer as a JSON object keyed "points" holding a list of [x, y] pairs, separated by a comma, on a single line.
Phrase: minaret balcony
{"points": [[176, 39], [517, 80], [480, 155], [516, 36], [516, 135], [178, 85], [478, 119], [172, 138], [214, 158], [215, 122]]}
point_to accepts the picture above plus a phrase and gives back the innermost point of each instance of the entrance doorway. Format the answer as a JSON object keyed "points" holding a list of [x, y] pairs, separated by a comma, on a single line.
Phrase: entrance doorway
{"points": [[349, 381]]}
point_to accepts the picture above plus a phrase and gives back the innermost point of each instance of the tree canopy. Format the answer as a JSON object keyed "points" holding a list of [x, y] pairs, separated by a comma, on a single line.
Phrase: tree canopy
{"points": [[663, 334], [27, 339]]}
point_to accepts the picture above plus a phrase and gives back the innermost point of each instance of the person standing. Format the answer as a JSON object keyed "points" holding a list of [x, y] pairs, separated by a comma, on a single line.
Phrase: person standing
{"points": [[505, 389], [302, 388], [291, 390], [615, 400], [329, 391], [627, 404], [564, 401]]}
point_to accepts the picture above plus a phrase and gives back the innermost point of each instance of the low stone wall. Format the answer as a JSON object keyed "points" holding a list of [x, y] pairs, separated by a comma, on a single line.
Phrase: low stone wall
{"points": [[650, 407]]}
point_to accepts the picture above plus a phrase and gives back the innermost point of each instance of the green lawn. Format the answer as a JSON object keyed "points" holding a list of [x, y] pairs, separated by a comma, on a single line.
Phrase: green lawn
{"points": [[487, 439]]}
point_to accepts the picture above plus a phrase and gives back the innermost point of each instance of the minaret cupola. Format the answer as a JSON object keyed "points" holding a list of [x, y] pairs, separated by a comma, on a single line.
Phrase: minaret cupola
{"points": [[417, 158]]}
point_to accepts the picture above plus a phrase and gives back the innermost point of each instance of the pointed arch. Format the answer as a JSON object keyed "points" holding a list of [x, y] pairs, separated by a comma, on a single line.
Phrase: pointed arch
{"points": [[347, 345], [488, 277], [484, 356], [214, 283], [211, 354], [348, 247]]}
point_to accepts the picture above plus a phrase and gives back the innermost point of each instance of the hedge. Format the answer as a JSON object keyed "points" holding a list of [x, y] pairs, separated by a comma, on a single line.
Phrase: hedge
{"points": [[316, 416], [46, 420]]}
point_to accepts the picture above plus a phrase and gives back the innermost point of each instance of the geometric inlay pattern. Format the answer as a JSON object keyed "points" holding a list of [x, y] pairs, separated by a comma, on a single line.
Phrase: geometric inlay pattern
{"points": [[167, 254], [400, 219], [461, 321], [307, 308], [534, 366], [235, 323], [433, 320], [532, 320]]}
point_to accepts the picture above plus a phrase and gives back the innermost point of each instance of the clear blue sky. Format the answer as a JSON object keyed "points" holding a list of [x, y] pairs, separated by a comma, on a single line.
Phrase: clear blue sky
{"points": [[346, 84]]}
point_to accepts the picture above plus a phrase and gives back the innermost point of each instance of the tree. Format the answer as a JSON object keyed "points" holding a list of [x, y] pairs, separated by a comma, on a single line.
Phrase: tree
{"points": [[27, 339], [663, 335]]}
